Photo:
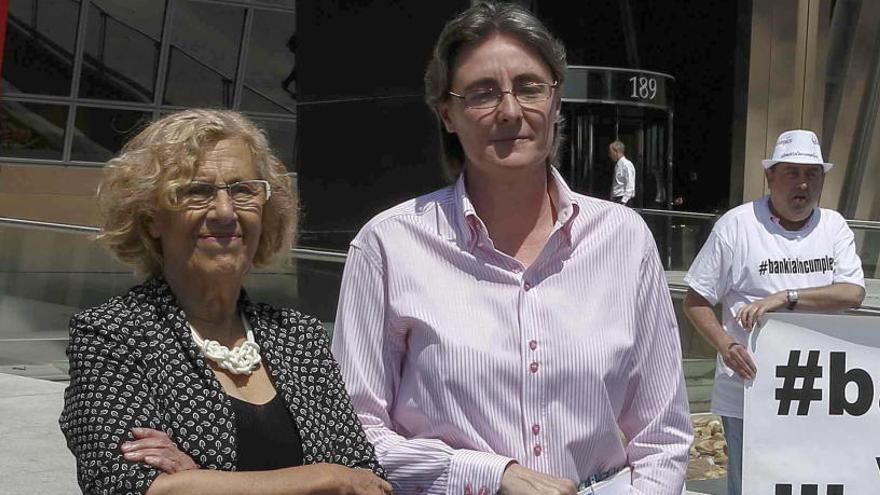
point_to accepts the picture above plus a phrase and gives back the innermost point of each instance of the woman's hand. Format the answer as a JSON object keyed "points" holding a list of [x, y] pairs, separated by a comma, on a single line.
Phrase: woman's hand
{"points": [[153, 447], [342, 480], [522, 480]]}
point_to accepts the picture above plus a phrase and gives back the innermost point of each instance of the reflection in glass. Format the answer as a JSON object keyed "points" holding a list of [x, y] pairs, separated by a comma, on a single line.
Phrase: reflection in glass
{"points": [[46, 276], [282, 137], [280, 3], [678, 238], [868, 248], [205, 43], [39, 47], [122, 50], [101, 132], [254, 102], [32, 130], [270, 79]]}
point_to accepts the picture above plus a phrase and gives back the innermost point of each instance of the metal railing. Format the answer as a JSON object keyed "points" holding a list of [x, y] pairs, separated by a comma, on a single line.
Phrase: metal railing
{"points": [[50, 271], [339, 257]]}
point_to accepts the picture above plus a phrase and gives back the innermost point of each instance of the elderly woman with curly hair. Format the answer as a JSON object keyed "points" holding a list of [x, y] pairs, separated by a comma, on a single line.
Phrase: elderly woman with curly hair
{"points": [[184, 385]]}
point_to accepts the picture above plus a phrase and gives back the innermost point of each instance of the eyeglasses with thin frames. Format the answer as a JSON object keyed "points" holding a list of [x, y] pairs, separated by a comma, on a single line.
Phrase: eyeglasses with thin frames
{"points": [[530, 93], [244, 194]]}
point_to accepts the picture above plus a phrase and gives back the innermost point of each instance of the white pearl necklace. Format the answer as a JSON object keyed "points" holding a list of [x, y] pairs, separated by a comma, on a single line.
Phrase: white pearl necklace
{"points": [[243, 359]]}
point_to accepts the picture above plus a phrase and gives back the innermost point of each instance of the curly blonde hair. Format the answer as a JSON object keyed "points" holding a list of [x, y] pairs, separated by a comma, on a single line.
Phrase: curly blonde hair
{"points": [[166, 155]]}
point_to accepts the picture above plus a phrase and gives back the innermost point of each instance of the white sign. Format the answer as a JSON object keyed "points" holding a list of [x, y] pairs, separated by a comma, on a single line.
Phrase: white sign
{"points": [[812, 413]]}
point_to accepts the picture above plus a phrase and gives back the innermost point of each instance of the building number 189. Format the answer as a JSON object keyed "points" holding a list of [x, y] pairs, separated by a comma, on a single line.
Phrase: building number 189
{"points": [[644, 88]]}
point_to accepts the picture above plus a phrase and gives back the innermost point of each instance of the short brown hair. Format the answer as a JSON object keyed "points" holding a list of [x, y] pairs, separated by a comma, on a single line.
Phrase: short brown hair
{"points": [[475, 24], [143, 179]]}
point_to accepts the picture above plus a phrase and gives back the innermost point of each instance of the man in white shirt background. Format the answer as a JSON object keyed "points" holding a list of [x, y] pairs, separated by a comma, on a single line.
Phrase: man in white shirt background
{"points": [[779, 252], [623, 184]]}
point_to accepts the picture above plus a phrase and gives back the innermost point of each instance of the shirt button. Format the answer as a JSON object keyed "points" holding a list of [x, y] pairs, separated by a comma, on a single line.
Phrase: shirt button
{"points": [[527, 286], [484, 490], [517, 269], [533, 345], [467, 490], [533, 367], [536, 428], [537, 450]]}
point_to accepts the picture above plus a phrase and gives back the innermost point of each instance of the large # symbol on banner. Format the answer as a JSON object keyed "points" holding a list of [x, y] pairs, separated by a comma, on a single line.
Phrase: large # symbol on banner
{"points": [[811, 415], [790, 391], [799, 385]]}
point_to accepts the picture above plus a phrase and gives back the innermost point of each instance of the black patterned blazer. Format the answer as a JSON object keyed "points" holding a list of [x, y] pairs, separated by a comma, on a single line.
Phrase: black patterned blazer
{"points": [[133, 363]]}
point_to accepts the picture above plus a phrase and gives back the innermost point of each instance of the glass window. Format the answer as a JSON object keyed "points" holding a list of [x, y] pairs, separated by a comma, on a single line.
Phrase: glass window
{"points": [[23, 10], [101, 132], [39, 47], [270, 77], [122, 50], [282, 138], [32, 130], [280, 3], [204, 49], [258, 102]]}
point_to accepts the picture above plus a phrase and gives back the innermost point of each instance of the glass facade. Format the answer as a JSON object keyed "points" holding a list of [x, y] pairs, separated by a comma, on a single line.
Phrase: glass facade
{"points": [[79, 77]]}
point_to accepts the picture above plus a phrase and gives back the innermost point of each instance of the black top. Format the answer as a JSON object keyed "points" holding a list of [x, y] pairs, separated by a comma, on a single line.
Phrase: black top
{"points": [[133, 362], [267, 436]]}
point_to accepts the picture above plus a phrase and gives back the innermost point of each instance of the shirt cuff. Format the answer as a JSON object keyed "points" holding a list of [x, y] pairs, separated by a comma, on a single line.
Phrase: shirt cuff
{"points": [[476, 473]]}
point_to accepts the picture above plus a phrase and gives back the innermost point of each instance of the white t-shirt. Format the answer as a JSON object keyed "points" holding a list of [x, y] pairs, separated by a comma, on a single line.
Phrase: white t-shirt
{"points": [[624, 183], [749, 256]]}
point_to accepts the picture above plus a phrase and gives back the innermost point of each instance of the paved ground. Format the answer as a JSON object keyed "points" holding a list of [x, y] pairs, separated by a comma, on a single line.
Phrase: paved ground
{"points": [[33, 455]]}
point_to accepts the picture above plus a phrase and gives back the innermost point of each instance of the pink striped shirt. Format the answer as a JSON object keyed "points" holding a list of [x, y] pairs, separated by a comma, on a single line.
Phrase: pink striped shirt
{"points": [[460, 360]]}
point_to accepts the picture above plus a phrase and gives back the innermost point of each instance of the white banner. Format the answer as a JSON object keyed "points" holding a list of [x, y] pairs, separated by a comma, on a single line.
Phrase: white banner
{"points": [[812, 417]]}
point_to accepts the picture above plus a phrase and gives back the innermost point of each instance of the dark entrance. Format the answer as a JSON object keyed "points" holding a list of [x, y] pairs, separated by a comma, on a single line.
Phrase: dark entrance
{"points": [[603, 104]]}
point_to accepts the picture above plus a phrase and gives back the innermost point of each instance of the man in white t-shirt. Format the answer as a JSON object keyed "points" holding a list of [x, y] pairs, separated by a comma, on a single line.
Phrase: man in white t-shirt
{"points": [[623, 184], [778, 253]]}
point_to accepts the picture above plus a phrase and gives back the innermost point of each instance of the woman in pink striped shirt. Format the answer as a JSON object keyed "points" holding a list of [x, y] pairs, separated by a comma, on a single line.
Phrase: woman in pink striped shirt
{"points": [[505, 334]]}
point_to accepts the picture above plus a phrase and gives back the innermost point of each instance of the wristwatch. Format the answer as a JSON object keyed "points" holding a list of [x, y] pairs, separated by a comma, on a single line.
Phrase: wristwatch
{"points": [[792, 299]]}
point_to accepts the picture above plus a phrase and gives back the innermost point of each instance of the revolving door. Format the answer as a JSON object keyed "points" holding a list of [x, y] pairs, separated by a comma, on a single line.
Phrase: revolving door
{"points": [[603, 104]]}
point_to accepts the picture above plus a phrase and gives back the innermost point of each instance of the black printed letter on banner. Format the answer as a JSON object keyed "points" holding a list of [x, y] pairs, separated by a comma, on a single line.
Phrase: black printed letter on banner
{"points": [[840, 378]]}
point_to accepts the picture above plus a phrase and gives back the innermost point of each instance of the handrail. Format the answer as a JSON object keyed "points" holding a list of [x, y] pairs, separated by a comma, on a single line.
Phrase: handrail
{"points": [[312, 253], [855, 224], [38, 224], [681, 289], [318, 254], [864, 224], [677, 213]]}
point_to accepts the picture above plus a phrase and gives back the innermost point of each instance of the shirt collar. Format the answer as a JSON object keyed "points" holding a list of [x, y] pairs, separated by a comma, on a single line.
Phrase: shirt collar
{"points": [[469, 224], [767, 213]]}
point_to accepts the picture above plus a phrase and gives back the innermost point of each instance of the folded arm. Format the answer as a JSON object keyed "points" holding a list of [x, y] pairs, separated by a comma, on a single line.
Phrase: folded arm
{"points": [[831, 297], [107, 397], [301, 480]]}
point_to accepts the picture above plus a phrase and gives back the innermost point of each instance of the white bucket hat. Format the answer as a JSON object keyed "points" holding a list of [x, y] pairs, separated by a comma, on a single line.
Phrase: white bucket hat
{"points": [[797, 146]]}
